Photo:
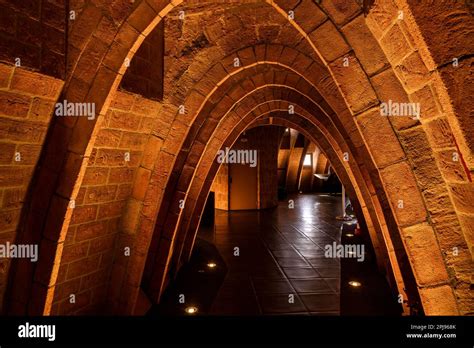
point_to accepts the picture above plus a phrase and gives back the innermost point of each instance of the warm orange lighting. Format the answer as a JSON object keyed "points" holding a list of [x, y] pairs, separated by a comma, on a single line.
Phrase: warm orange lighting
{"points": [[191, 310], [355, 284], [349, 235], [212, 265]]}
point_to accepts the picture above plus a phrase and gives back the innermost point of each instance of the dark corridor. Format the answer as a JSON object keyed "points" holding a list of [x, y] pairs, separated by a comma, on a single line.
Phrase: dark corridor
{"points": [[273, 262]]}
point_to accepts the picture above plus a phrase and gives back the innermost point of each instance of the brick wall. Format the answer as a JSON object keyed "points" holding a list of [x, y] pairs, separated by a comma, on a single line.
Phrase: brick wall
{"points": [[220, 187], [106, 189], [26, 104], [268, 140], [33, 31]]}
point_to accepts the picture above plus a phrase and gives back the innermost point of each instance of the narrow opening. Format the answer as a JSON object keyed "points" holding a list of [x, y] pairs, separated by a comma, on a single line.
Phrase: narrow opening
{"points": [[307, 160]]}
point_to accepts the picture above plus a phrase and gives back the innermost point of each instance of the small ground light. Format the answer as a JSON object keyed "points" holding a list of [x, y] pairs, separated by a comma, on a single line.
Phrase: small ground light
{"points": [[354, 283], [191, 310], [349, 235], [211, 265]]}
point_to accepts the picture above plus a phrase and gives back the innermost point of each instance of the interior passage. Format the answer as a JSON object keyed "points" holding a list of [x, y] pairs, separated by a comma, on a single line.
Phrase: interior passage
{"points": [[116, 119], [281, 267]]}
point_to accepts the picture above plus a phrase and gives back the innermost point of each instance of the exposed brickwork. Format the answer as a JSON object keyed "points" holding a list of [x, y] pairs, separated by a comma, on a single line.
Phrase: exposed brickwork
{"points": [[105, 195], [414, 198], [27, 102], [220, 186], [268, 140], [33, 35]]}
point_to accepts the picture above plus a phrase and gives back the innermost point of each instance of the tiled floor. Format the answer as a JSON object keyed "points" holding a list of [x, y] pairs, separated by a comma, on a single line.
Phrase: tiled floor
{"points": [[275, 259]]}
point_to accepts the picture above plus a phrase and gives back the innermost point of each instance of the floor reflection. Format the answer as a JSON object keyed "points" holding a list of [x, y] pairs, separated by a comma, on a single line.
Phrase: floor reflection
{"points": [[275, 258], [273, 262]]}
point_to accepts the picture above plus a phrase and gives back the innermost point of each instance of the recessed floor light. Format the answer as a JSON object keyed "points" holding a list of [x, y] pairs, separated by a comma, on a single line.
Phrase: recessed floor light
{"points": [[349, 235], [191, 310], [212, 265], [355, 284]]}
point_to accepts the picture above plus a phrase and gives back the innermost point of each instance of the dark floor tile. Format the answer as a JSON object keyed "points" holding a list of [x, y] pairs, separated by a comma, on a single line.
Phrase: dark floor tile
{"points": [[321, 302], [280, 304], [312, 253], [332, 272], [292, 262], [279, 246], [323, 241], [334, 283], [306, 247], [307, 230], [286, 253], [300, 272], [271, 286], [323, 262], [311, 285]]}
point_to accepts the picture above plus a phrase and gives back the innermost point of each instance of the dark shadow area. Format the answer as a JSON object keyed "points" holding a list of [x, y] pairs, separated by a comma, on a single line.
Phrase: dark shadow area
{"points": [[373, 296], [281, 267], [196, 280]]}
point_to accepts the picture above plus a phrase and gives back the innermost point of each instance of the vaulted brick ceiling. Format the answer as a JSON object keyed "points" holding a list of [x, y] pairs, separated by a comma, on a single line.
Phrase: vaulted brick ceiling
{"points": [[322, 69]]}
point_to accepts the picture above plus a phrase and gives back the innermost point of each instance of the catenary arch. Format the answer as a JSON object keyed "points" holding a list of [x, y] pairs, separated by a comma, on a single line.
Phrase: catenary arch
{"points": [[171, 226], [167, 222], [127, 41], [272, 106], [279, 116]]}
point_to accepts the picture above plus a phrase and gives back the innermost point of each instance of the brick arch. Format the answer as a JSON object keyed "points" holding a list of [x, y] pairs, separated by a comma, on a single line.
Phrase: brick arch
{"points": [[78, 137], [274, 117], [351, 100], [405, 168], [269, 103], [170, 225], [309, 129], [181, 196], [145, 224]]}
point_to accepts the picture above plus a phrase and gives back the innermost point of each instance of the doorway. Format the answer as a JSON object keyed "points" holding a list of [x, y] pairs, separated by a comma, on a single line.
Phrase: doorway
{"points": [[243, 187]]}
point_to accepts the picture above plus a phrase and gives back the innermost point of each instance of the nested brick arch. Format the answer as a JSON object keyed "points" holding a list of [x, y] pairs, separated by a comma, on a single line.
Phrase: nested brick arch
{"points": [[56, 180], [269, 106], [169, 223], [211, 155], [194, 205], [183, 196], [171, 226], [166, 220]]}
